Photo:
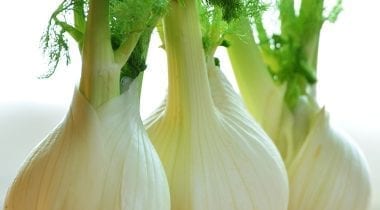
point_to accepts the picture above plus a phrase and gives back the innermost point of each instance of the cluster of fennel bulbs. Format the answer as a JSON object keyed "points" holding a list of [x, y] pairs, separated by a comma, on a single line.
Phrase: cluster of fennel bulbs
{"points": [[204, 148]]}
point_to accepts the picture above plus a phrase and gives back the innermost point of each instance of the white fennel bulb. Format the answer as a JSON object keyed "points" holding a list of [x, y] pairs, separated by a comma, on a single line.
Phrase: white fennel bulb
{"points": [[219, 158], [96, 159], [326, 169], [215, 156], [99, 157], [329, 172]]}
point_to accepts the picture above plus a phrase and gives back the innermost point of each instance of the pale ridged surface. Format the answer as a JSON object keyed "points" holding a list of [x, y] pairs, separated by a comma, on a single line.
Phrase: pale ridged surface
{"points": [[94, 160], [329, 172], [221, 160]]}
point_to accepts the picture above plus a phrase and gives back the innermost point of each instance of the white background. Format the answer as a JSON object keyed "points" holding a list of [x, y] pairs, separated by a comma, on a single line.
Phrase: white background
{"points": [[349, 74]]}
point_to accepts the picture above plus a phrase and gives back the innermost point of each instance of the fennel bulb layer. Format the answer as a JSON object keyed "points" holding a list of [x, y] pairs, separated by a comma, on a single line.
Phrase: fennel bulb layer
{"points": [[96, 159]]}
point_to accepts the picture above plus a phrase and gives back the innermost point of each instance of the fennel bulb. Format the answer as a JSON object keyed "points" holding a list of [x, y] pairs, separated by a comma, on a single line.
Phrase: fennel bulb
{"points": [[95, 159], [329, 172], [326, 169], [214, 154], [99, 157]]}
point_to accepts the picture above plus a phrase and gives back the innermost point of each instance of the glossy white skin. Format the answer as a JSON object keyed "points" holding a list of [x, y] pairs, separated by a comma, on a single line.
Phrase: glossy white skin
{"points": [[221, 160], [94, 160], [329, 172]]}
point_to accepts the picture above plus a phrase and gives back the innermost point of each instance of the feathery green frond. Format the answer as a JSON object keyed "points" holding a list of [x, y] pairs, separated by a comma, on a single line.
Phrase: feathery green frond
{"points": [[218, 18], [231, 8], [126, 17], [54, 41]]}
